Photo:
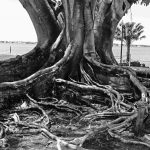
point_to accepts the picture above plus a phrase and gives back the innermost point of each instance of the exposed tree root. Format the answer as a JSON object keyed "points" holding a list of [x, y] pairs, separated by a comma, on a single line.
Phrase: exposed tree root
{"points": [[132, 76], [12, 89], [61, 144], [121, 113], [122, 116], [142, 72], [61, 108]]}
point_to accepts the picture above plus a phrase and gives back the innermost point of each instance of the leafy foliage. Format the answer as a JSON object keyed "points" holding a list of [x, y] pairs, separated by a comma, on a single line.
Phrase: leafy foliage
{"points": [[145, 2], [131, 32]]}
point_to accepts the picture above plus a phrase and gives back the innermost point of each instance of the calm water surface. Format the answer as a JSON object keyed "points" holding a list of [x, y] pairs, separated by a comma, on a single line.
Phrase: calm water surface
{"points": [[141, 54], [16, 48]]}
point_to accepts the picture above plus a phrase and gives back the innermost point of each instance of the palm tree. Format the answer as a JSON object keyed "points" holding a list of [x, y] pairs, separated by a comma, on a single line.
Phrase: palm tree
{"points": [[129, 32]]}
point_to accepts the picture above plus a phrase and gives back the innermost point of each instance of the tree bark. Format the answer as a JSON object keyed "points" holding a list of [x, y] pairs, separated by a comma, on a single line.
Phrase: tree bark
{"points": [[106, 21], [75, 33]]}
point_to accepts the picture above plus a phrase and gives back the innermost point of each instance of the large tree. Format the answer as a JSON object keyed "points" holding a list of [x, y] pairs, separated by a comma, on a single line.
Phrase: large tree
{"points": [[73, 62]]}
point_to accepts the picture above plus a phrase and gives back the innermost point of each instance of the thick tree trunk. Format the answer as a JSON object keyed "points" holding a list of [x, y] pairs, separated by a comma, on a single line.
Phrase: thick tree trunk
{"points": [[47, 31], [75, 34], [106, 21]]}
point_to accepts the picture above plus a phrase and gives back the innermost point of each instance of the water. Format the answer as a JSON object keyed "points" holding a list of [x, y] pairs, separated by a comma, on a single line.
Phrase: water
{"points": [[16, 48], [141, 54]]}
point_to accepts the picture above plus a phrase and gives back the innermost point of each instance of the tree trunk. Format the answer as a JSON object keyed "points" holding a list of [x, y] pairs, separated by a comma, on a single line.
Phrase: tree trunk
{"points": [[75, 34], [106, 21], [47, 31]]}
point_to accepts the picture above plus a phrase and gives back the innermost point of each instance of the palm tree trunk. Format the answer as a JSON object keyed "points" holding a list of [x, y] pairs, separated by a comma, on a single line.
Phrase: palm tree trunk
{"points": [[128, 52]]}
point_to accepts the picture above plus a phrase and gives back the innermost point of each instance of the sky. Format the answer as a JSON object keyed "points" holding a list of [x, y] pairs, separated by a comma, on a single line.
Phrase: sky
{"points": [[15, 24], [140, 14]]}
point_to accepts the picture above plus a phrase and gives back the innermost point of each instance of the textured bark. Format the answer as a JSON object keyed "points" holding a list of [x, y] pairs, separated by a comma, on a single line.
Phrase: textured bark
{"points": [[106, 21], [75, 33]]}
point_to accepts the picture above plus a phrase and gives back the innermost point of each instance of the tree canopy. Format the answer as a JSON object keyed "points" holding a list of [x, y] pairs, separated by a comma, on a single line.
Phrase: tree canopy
{"points": [[131, 31]]}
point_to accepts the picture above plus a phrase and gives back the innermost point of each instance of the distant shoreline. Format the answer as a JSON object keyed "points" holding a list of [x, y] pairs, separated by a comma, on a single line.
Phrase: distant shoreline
{"points": [[31, 42], [132, 45], [17, 42]]}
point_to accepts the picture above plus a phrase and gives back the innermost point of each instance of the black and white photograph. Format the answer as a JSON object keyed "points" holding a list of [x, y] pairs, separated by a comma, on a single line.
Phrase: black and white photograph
{"points": [[74, 74]]}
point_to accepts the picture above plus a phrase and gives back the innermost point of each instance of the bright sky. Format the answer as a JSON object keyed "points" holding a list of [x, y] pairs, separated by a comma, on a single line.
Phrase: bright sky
{"points": [[140, 14], [15, 24]]}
